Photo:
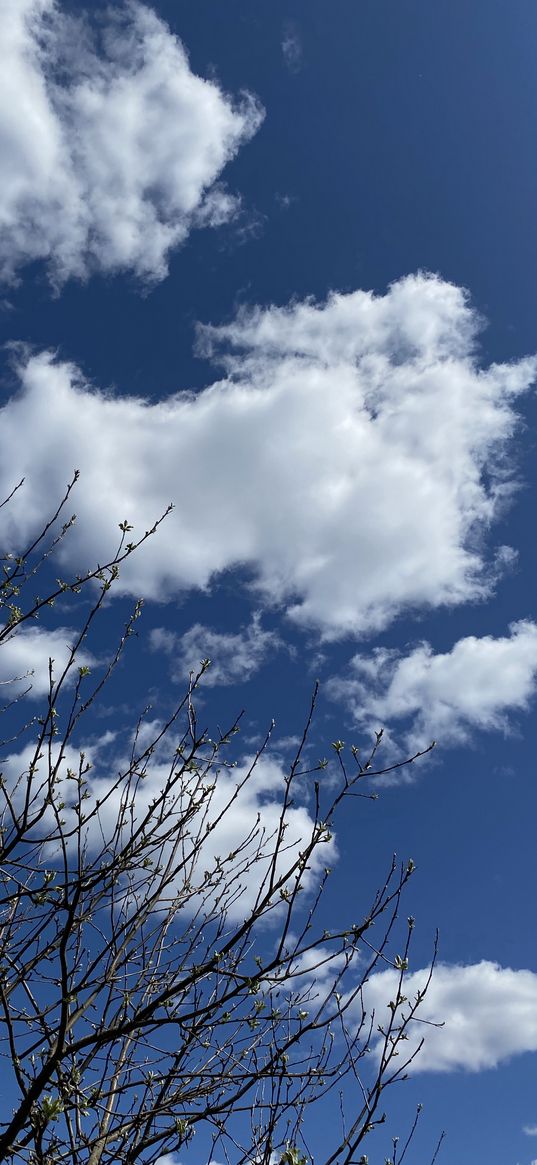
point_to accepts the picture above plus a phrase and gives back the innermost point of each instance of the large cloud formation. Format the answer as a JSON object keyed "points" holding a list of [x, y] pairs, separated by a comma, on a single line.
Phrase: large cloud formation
{"points": [[111, 145], [353, 458]]}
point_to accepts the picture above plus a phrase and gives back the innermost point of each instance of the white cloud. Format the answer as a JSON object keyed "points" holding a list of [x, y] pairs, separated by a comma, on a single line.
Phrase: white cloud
{"points": [[24, 660], [111, 145], [530, 1130], [353, 459], [241, 821], [476, 685], [489, 1014], [234, 656], [292, 48]]}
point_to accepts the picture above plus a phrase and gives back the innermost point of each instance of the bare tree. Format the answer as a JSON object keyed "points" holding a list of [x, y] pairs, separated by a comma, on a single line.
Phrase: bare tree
{"points": [[152, 984]]}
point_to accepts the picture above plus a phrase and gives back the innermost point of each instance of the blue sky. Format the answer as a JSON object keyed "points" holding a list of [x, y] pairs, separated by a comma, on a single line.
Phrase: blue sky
{"points": [[353, 468]]}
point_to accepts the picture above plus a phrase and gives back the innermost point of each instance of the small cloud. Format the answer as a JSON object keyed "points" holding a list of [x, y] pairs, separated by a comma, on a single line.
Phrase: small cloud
{"points": [[24, 661], [286, 742], [530, 1131], [472, 1017], [292, 48], [284, 201], [234, 657], [478, 685], [247, 224]]}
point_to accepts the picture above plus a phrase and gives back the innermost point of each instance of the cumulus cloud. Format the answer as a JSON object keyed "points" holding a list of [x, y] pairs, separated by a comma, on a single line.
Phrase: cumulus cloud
{"points": [[489, 1014], [476, 685], [111, 144], [24, 660], [353, 458], [234, 656], [238, 821]]}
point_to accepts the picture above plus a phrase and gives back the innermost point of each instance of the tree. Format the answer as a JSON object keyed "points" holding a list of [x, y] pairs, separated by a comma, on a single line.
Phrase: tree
{"points": [[152, 984]]}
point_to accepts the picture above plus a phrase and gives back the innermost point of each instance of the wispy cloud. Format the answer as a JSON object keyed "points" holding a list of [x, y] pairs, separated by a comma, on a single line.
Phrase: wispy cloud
{"points": [[234, 656], [292, 47]]}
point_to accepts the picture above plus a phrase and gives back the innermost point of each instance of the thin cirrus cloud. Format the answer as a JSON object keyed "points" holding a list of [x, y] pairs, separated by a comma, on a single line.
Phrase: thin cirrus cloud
{"points": [[349, 458], [292, 47], [111, 144], [488, 1013], [478, 685], [234, 656]]}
